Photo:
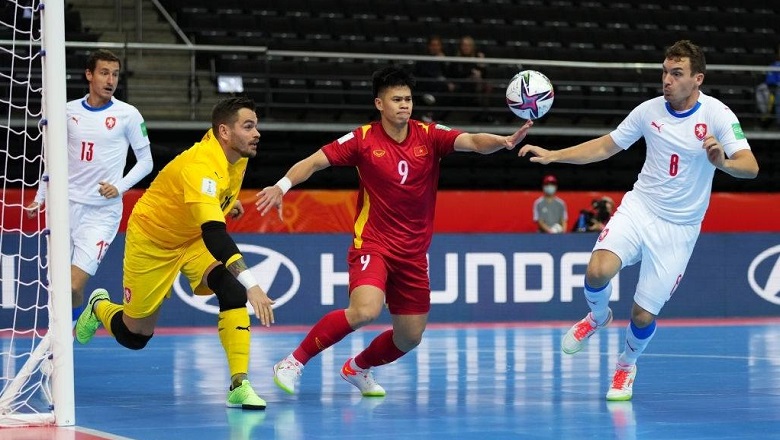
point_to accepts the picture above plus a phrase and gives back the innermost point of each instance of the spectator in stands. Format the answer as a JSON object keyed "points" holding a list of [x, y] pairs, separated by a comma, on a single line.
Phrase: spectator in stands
{"points": [[432, 82], [469, 78], [688, 136], [398, 162], [100, 128], [550, 211], [773, 82]]}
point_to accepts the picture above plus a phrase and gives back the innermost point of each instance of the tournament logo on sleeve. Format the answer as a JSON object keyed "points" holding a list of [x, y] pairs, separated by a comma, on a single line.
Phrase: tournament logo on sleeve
{"points": [[442, 127], [143, 129], [346, 137], [737, 129], [208, 187]]}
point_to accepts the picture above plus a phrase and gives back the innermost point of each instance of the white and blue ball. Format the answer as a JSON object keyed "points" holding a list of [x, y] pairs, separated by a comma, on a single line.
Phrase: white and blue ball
{"points": [[530, 94]]}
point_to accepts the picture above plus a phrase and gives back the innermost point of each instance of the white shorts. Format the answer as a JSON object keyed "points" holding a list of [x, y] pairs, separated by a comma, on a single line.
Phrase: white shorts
{"points": [[635, 234], [92, 229]]}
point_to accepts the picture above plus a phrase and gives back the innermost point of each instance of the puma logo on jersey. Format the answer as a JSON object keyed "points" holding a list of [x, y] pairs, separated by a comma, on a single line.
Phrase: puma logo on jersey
{"points": [[656, 125], [238, 327], [75, 119]]}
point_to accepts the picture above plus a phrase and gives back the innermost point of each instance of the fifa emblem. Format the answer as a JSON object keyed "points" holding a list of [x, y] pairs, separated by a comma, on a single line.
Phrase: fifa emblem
{"points": [[700, 130], [110, 122]]}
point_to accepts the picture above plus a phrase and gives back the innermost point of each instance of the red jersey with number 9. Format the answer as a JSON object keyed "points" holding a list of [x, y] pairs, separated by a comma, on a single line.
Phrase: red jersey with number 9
{"points": [[398, 183]]}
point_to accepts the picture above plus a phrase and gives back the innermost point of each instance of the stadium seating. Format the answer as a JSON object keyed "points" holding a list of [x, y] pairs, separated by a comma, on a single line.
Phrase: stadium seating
{"points": [[629, 31], [321, 89], [337, 89]]}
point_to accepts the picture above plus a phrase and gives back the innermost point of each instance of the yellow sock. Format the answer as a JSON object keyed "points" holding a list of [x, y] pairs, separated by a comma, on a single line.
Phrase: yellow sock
{"points": [[234, 334], [105, 311]]}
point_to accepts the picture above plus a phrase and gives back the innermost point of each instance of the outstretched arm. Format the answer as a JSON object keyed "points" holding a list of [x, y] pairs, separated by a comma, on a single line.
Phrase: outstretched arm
{"points": [[486, 143], [593, 150], [271, 196]]}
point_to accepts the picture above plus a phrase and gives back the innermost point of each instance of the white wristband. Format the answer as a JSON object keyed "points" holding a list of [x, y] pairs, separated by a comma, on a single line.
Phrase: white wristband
{"points": [[246, 279], [285, 184]]}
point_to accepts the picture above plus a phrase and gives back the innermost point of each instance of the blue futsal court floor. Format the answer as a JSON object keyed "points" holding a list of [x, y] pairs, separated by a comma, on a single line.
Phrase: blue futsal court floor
{"points": [[697, 380]]}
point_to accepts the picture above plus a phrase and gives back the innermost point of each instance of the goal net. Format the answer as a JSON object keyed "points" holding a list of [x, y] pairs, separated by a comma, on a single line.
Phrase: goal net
{"points": [[36, 349]]}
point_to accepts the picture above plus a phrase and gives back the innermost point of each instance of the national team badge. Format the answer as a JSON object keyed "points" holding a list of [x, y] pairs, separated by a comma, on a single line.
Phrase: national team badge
{"points": [[700, 130], [603, 234], [379, 153], [110, 122], [128, 294], [420, 150]]}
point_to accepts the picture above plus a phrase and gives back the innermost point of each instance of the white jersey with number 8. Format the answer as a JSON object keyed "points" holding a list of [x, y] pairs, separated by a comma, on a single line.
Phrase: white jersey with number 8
{"points": [[676, 179]]}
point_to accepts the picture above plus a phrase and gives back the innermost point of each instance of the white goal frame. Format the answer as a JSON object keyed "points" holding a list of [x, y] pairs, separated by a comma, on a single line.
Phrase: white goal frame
{"points": [[56, 347]]}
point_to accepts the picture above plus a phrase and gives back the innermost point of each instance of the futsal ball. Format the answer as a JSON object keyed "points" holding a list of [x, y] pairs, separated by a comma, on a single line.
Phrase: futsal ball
{"points": [[529, 94]]}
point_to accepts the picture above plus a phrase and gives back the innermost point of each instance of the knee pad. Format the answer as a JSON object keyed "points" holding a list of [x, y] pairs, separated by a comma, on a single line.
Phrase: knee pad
{"points": [[231, 294], [125, 337]]}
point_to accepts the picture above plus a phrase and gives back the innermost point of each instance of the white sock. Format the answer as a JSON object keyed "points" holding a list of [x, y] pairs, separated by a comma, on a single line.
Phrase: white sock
{"points": [[635, 345], [599, 302]]}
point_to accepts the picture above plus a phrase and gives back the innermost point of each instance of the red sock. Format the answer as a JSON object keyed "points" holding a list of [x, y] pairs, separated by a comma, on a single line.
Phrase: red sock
{"points": [[380, 351], [327, 331]]}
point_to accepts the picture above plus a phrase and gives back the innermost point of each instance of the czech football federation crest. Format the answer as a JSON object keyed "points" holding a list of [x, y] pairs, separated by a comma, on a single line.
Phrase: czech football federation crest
{"points": [[700, 130]]}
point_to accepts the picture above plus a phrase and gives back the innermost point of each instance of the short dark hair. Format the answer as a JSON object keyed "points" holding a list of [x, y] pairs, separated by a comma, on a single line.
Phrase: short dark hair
{"points": [[391, 76], [685, 48], [101, 55], [225, 111]]}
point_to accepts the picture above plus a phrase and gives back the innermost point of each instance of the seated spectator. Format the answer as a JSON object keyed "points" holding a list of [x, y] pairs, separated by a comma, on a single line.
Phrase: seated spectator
{"points": [[431, 75], [549, 211], [469, 78], [772, 82], [432, 83]]}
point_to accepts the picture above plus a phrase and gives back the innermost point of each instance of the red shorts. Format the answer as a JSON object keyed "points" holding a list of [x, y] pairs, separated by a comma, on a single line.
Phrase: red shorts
{"points": [[405, 282]]}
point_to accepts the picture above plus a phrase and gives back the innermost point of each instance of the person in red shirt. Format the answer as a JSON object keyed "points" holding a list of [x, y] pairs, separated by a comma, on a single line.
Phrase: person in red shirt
{"points": [[397, 159]]}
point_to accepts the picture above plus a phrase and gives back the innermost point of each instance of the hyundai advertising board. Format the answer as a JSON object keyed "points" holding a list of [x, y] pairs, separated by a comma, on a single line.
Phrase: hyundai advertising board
{"points": [[474, 278]]}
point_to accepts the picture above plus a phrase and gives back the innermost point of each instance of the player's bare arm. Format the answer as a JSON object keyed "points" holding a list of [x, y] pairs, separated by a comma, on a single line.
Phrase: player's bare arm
{"points": [[486, 143], [271, 196], [741, 164], [256, 296], [593, 150]]}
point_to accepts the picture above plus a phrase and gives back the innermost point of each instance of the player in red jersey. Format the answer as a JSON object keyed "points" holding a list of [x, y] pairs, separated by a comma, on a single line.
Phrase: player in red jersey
{"points": [[397, 159]]}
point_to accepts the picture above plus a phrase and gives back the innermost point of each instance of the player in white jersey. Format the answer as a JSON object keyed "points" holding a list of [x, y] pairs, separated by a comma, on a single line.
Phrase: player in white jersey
{"points": [[688, 136], [100, 128]]}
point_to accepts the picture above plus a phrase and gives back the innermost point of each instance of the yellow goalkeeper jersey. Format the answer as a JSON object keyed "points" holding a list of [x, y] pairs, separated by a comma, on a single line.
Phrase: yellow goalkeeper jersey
{"points": [[200, 176]]}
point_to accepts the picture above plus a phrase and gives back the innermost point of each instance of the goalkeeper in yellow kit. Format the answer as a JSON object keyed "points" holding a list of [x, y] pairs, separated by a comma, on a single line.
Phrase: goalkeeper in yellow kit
{"points": [[178, 225]]}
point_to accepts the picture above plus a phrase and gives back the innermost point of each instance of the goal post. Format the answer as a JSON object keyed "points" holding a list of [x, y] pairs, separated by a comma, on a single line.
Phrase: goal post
{"points": [[55, 142], [36, 339]]}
